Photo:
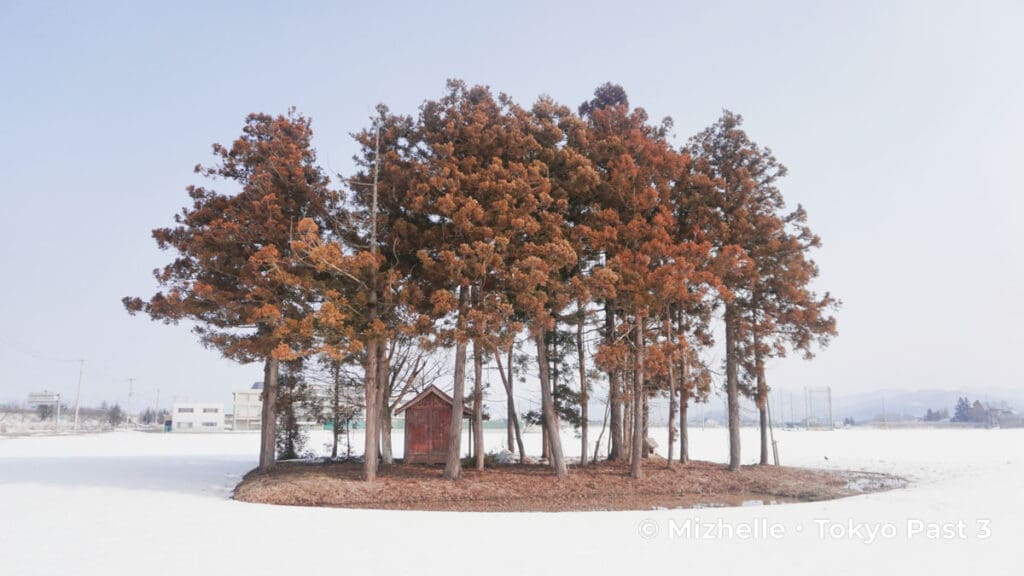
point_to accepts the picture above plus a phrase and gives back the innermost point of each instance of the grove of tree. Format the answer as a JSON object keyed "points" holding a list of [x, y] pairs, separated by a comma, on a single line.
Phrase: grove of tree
{"points": [[577, 246]]}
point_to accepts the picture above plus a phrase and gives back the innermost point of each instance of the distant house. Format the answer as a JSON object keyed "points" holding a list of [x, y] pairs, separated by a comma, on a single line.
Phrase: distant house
{"points": [[428, 419], [248, 408], [197, 418]]}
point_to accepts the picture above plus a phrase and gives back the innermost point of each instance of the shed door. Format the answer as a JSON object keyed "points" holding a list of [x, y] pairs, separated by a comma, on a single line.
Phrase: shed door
{"points": [[418, 431], [441, 418]]}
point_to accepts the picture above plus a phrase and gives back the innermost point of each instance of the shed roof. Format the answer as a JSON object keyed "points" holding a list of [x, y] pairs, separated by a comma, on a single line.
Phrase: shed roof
{"points": [[435, 391]]}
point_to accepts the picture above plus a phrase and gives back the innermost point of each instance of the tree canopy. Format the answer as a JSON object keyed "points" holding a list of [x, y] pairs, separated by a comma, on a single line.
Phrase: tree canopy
{"points": [[480, 221]]}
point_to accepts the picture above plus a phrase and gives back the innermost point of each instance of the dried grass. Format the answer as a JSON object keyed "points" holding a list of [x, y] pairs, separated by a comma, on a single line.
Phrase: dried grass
{"points": [[602, 486]]}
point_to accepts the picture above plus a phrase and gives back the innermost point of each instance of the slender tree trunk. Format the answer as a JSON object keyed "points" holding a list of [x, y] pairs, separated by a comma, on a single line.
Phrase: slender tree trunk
{"points": [[507, 381], [384, 389], [684, 408], [372, 436], [763, 422], [614, 392], [453, 464], [336, 408], [510, 435], [348, 439], [512, 425], [548, 406], [732, 387], [647, 426], [584, 385], [604, 427], [635, 465], [371, 377], [478, 405], [684, 430], [627, 413], [268, 427], [761, 393], [762, 404], [671, 414], [385, 434]]}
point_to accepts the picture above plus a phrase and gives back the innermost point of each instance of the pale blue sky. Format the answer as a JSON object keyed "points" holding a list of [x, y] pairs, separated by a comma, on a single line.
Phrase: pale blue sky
{"points": [[901, 124]]}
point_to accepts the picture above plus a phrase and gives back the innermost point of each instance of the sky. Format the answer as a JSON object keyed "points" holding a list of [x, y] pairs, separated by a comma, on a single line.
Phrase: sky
{"points": [[901, 124]]}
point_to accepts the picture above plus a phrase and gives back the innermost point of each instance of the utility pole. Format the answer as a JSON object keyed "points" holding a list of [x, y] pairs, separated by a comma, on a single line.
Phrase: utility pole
{"points": [[78, 392], [831, 421], [128, 406], [771, 430], [807, 408]]}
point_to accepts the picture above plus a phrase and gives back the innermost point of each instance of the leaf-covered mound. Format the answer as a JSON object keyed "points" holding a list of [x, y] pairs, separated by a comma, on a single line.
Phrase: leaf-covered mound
{"points": [[530, 488]]}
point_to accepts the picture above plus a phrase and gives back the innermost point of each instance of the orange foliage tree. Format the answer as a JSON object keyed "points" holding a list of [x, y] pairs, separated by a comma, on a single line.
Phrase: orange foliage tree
{"points": [[235, 276], [771, 297]]}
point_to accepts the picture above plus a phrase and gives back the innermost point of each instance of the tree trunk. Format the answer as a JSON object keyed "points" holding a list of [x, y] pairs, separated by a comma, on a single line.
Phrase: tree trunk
{"points": [[507, 381], [512, 424], [684, 429], [268, 424], [672, 403], [614, 392], [763, 421], [684, 408], [387, 457], [336, 407], [453, 464], [372, 434], [384, 390], [584, 385], [647, 426], [762, 403], [478, 405], [627, 413], [554, 439], [732, 387], [604, 427], [635, 466]]}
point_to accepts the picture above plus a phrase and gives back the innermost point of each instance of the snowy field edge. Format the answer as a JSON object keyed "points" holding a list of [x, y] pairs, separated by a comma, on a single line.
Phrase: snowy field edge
{"points": [[132, 503]]}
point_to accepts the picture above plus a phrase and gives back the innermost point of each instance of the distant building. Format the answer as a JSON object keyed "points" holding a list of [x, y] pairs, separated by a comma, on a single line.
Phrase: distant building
{"points": [[197, 418], [248, 408]]}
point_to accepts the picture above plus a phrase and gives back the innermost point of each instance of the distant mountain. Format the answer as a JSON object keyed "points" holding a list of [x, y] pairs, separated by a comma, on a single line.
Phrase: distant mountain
{"points": [[903, 404], [788, 405]]}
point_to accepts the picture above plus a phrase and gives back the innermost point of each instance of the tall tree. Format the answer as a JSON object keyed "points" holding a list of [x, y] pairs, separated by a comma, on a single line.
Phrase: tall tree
{"points": [[782, 310], [470, 165], [739, 200], [645, 267], [235, 275], [375, 224], [772, 302], [545, 253]]}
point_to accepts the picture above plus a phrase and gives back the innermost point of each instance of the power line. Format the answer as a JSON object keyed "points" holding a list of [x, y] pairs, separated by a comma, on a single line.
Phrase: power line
{"points": [[41, 357]]}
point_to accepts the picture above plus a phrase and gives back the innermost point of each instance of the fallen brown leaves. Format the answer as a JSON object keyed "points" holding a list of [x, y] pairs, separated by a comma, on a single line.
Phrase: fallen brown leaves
{"points": [[534, 488]]}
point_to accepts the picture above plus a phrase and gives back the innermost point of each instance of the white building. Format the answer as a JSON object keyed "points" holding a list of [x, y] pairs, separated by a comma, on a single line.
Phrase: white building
{"points": [[248, 408], [197, 418]]}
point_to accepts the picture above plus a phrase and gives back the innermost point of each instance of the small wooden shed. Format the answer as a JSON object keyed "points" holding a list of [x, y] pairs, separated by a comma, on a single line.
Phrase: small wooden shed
{"points": [[428, 419]]}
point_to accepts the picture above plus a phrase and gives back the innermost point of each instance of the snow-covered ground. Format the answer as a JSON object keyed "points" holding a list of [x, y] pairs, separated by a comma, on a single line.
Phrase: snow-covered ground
{"points": [[137, 503]]}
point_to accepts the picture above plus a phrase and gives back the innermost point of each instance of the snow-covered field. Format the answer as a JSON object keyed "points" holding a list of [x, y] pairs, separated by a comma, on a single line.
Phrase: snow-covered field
{"points": [[137, 503]]}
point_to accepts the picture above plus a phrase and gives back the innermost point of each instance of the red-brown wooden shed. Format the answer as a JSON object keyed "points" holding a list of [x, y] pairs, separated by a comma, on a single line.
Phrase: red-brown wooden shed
{"points": [[428, 419]]}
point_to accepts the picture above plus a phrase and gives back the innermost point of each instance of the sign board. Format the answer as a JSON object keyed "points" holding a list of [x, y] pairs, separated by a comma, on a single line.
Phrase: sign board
{"points": [[43, 398]]}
